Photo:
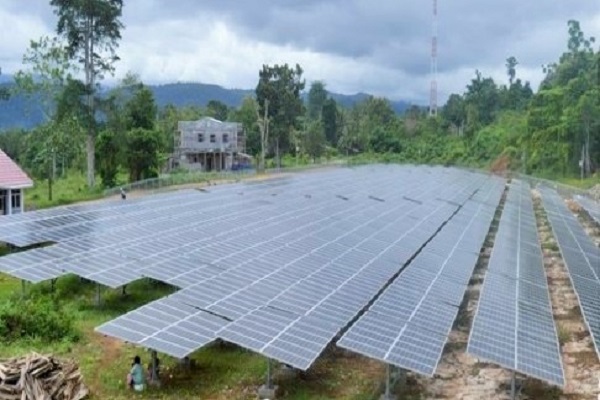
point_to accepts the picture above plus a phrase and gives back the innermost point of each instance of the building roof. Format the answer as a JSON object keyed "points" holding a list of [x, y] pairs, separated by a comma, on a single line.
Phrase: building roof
{"points": [[11, 175]]}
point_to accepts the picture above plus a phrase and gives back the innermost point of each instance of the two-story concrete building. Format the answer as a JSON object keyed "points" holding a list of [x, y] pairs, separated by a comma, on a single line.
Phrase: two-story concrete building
{"points": [[13, 181], [208, 145]]}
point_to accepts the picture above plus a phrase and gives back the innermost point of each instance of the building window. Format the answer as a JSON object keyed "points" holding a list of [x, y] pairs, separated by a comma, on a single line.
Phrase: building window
{"points": [[225, 138], [213, 138], [200, 137], [16, 199]]}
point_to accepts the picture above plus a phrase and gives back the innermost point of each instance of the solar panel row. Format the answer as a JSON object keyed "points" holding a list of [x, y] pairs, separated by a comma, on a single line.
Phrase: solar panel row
{"points": [[195, 218], [513, 325], [582, 258], [325, 254], [409, 324], [591, 206]]}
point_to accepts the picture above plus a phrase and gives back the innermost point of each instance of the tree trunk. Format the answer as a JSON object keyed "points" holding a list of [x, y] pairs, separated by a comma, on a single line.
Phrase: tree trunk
{"points": [[89, 76], [91, 155]]}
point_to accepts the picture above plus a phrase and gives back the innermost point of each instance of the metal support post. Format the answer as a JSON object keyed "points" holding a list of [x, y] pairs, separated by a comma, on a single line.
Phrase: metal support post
{"points": [[23, 288], [52, 284], [388, 381], [513, 386], [154, 374], [269, 377], [124, 290]]}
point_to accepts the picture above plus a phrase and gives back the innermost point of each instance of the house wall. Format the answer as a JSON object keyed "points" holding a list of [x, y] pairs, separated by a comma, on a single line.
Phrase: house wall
{"points": [[12, 201]]}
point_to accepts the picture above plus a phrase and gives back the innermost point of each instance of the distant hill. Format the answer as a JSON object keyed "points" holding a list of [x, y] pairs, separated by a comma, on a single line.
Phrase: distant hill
{"points": [[21, 112]]}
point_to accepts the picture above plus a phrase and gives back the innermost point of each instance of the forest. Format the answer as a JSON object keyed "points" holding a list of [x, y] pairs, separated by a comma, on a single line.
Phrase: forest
{"points": [[121, 134]]}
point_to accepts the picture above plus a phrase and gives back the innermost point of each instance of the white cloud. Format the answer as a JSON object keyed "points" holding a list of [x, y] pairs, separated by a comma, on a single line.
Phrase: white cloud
{"points": [[353, 47], [16, 32]]}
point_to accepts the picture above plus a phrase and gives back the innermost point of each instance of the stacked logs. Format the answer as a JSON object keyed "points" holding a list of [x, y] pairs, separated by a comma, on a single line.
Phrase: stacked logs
{"points": [[37, 377]]}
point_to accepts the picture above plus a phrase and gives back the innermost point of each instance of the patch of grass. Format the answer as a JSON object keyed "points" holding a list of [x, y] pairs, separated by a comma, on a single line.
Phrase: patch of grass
{"points": [[563, 334], [220, 371], [71, 189], [552, 246]]}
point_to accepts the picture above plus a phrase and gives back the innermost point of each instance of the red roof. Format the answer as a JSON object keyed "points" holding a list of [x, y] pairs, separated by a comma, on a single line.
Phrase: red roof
{"points": [[11, 175]]}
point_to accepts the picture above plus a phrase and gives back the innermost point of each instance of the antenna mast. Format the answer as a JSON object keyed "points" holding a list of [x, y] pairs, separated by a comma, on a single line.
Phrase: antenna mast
{"points": [[433, 106]]}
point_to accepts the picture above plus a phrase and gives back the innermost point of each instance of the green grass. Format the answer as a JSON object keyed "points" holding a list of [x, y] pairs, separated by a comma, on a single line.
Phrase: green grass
{"points": [[586, 183], [221, 371], [71, 189]]}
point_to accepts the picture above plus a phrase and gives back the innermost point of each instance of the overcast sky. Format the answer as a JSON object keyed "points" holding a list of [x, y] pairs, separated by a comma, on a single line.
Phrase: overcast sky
{"points": [[380, 47]]}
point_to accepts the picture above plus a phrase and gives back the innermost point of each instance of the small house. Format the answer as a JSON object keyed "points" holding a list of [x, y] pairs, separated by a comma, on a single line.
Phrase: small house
{"points": [[209, 145], [13, 181]]}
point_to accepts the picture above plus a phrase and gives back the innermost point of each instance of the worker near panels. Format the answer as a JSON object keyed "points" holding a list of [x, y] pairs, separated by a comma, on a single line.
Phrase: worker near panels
{"points": [[135, 378], [123, 194]]}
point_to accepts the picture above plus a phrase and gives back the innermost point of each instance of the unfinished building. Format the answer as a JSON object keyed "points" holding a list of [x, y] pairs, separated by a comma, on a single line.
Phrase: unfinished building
{"points": [[209, 145]]}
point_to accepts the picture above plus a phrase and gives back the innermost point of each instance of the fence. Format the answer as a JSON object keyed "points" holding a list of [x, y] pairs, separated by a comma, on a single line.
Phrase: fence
{"points": [[164, 181]]}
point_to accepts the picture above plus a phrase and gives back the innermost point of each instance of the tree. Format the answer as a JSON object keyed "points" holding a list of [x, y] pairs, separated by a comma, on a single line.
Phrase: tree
{"points": [[217, 110], [314, 140], [511, 69], [317, 95], [143, 153], [455, 113], [92, 29], [330, 119], [281, 85], [49, 69], [108, 151], [140, 110], [246, 115], [49, 78], [483, 101]]}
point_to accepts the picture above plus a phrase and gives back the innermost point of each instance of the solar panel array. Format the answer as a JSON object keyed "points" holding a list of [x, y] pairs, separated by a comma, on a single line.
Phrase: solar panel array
{"points": [[591, 206], [582, 258], [302, 269], [409, 323], [113, 242], [513, 325]]}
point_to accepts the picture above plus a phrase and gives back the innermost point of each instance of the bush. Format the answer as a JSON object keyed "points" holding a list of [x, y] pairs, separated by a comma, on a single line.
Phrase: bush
{"points": [[40, 318]]}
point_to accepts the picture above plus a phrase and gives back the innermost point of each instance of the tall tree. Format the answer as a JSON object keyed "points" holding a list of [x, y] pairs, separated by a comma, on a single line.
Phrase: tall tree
{"points": [[92, 29], [140, 110], [281, 85], [511, 69], [314, 140], [143, 153], [317, 95], [330, 119]]}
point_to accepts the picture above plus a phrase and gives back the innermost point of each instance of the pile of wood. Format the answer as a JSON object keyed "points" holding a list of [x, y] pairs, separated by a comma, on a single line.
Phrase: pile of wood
{"points": [[37, 377]]}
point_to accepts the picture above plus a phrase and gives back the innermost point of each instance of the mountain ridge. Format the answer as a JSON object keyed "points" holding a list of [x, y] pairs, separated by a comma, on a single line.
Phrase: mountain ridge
{"points": [[20, 112]]}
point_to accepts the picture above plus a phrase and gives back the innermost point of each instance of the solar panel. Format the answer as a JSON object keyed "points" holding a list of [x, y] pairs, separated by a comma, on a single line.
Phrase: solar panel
{"points": [[317, 313], [582, 258], [409, 323], [244, 287], [591, 206], [513, 325]]}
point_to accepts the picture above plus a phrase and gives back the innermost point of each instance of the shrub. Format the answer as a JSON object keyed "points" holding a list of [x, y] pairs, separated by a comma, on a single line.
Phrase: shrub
{"points": [[40, 318]]}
